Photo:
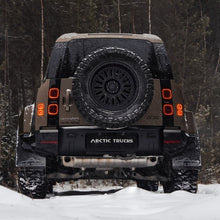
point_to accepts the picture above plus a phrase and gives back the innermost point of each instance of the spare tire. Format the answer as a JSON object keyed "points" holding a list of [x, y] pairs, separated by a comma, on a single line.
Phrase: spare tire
{"points": [[112, 87]]}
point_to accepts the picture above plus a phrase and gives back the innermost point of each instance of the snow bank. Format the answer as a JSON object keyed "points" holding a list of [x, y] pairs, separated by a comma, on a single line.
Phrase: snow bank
{"points": [[128, 203]]}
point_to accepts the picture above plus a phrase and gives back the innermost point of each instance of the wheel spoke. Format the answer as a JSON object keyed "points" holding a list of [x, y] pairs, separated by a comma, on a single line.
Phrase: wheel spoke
{"points": [[113, 86]]}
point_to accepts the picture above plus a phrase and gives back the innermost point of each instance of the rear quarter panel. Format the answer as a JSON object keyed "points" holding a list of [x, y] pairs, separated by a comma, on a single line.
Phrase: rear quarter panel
{"points": [[42, 97]]}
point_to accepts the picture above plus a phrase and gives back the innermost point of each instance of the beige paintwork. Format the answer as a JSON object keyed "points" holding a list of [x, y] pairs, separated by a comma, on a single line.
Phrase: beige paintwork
{"points": [[68, 111], [177, 98], [71, 116], [153, 115], [71, 36], [42, 97]]}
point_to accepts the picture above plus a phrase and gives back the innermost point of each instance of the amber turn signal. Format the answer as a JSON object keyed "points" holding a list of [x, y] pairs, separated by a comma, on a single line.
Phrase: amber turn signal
{"points": [[179, 108], [40, 109]]}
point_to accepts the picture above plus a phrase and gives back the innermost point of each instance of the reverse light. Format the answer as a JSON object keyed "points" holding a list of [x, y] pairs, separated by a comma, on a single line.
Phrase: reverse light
{"points": [[167, 94], [54, 93], [168, 109], [179, 108], [40, 109], [53, 109]]}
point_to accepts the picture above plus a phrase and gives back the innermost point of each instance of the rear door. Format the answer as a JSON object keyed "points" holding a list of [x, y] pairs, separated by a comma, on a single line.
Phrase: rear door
{"points": [[68, 112]]}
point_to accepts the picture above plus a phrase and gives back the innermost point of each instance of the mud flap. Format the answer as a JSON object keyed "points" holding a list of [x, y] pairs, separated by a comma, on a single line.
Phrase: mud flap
{"points": [[190, 159], [47, 142], [182, 162], [27, 158]]}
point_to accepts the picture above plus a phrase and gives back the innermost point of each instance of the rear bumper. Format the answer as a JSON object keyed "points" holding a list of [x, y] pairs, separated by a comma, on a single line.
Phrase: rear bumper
{"points": [[92, 142], [95, 141]]}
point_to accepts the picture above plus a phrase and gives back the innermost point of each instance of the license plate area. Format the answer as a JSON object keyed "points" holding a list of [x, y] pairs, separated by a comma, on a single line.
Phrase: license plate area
{"points": [[125, 143]]}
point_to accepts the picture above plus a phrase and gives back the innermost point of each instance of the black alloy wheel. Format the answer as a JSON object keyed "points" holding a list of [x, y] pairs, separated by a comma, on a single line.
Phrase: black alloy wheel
{"points": [[112, 87]]}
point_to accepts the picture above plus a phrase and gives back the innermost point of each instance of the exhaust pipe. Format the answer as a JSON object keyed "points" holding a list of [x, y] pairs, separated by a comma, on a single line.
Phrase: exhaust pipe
{"points": [[88, 162]]}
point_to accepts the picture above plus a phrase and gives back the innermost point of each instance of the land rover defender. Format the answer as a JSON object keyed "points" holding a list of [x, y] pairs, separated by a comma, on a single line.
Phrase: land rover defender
{"points": [[108, 108]]}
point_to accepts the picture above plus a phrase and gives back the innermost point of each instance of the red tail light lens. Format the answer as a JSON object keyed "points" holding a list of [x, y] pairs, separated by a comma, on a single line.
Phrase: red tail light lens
{"points": [[53, 109], [54, 93], [179, 108], [168, 109], [167, 94], [40, 109]]}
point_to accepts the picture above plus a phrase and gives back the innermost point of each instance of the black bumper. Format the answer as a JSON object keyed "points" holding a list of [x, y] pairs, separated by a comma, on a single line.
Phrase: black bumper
{"points": [[90, 141], [174, 145]]}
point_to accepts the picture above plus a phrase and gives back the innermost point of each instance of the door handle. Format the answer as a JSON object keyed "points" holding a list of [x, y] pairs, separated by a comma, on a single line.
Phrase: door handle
{"points": [[67, 100]]}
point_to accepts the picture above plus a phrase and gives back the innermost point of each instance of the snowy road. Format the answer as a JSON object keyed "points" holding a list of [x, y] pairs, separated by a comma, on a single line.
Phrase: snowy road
{"points": [[128, 203]]}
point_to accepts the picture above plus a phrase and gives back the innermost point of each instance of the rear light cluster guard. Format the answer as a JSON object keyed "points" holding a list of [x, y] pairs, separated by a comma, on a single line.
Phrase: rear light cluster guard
{"points": [[168, 109], [167, 94], [54, 93], [53, 107], [167, 98]]}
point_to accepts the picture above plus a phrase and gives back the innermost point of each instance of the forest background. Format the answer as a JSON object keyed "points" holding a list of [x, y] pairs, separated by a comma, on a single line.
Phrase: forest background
{"points": [[190, 30]]}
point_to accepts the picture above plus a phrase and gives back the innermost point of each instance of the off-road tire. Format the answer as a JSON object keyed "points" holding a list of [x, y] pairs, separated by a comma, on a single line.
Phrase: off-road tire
{"points": [[32, 183], [148, 185], [112, 87], [182, 180]]}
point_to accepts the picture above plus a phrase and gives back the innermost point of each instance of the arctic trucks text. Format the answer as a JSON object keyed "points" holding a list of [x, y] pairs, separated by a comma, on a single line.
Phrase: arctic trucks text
{"points": [[108, 108]]}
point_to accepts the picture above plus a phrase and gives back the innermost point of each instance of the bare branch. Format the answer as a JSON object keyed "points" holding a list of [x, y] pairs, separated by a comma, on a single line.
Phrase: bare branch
{"points": [[42, 39], [149, 15], [119, 17]]}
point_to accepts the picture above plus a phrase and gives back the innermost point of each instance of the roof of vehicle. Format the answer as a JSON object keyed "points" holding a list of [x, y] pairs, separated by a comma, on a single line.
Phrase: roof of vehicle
{"points": [[71, 36]]}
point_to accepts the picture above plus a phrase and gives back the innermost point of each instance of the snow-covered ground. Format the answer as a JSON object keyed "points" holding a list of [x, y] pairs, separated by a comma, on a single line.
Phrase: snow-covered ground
{"points": [[128, 203]]}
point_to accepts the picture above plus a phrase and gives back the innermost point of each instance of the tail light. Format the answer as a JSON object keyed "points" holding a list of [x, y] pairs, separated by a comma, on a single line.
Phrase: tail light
{"points": [[40, 109], [54, 93], [167, 94], [168, 109], [53, 109], [179, 108]]}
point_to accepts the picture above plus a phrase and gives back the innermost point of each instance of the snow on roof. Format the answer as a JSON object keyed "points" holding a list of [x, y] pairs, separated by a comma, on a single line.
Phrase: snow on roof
{"points": [[70, 36]]}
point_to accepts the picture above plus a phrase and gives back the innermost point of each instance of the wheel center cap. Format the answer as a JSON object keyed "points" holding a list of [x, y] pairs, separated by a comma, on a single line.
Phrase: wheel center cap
{"points": [[112, 86]]}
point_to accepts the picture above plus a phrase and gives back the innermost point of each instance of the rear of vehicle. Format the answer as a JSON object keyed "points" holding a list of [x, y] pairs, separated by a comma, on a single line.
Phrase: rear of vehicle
{"points": [[108, 109]]}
